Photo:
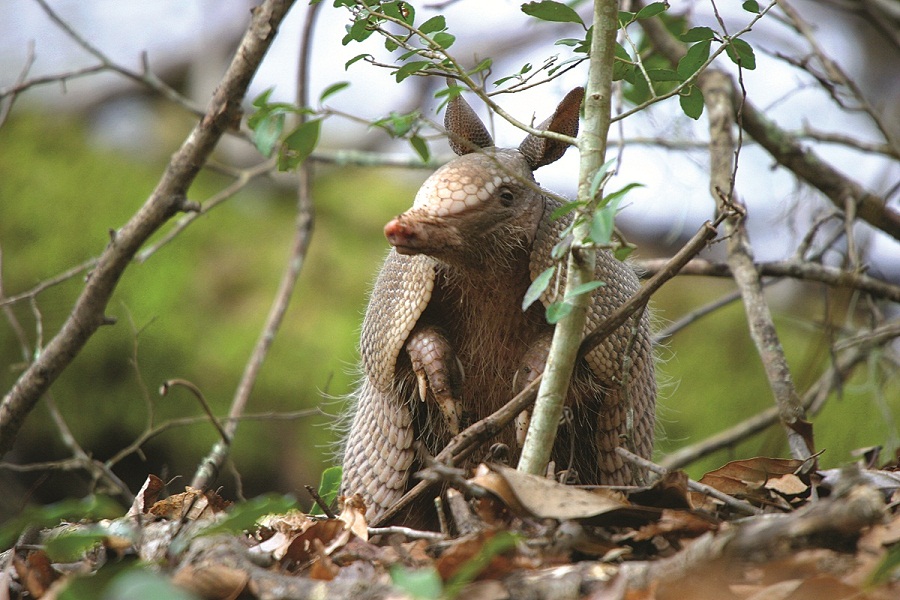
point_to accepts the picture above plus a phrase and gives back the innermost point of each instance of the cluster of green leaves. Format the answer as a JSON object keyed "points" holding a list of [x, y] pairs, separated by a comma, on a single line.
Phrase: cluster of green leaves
{"points": [[425, 46], [268, 121], [646, 74], [600, 234]]}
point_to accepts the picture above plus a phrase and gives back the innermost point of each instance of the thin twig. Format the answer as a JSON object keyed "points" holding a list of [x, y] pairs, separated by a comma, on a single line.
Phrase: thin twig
{"points": [[147, 78], [795, 269], [210, 466], [696, 486]]}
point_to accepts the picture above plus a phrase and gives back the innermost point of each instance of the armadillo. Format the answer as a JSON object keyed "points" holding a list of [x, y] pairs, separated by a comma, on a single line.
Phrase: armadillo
{"points": [[445, 340]]}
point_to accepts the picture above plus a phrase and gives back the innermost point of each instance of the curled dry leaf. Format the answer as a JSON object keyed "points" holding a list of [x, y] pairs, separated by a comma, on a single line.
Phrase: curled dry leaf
{"points": [[147, 496], [191, 505], [279, 531], [543, 498], [353, 513]]}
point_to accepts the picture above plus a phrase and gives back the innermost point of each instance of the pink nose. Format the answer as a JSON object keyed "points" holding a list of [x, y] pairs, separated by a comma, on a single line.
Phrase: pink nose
{"points": [[398, 233]]}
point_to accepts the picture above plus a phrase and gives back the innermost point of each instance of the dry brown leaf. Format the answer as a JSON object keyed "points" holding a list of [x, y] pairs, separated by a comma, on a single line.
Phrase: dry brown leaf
{"points": [[147, 495], [747, 478], [35, 572], [300, 550], [211, 580], [192, 505], [353, 513], [787, 485], [545, 498], [669, 491]]}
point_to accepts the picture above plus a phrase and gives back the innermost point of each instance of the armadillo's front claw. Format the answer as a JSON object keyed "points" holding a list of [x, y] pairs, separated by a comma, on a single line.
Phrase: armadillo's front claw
{"points": [[438, 372]]}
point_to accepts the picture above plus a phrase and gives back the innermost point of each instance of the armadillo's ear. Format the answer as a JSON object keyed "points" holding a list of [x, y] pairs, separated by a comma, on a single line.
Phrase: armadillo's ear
{"points": [[540, 151], [466, 131]]}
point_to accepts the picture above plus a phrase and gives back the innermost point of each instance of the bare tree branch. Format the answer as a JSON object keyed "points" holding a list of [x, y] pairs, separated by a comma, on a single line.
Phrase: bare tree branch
{"points": [[795, 269], [717, 94], [167, 199], [209, 468], [787, 149]]}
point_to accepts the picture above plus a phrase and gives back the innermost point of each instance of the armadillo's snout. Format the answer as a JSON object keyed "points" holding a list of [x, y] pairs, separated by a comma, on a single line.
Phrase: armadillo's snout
{"points": [[401, 235]]}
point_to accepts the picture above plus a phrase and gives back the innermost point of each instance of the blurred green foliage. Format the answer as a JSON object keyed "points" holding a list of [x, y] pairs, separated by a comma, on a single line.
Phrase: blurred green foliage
{"points": [[194, 310]]}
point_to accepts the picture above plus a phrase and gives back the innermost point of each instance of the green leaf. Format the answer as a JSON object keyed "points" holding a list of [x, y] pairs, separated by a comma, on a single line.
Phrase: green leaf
{"points": [[694, 59], [482, 66], [548, 10], [537, 287], [602, 225], [436, 23], [357, 32], [565, 209], [500, 543], [421, 584], [561, 248], [390, 45], [557, 311], [525, 69], [421, 147], [615, 197], [410, 68], [623, 252], [146, 585], [263, 99], [626, 18], [243, 516], [70, 547], [299, 144], [600, 177], [356, 58], [397, 124], [623, 65], [698, 34], [584, 288], [692, 102], [751, 6], [741, 54], [329, 486], [443, 39], [652, 9], [333, 89]]}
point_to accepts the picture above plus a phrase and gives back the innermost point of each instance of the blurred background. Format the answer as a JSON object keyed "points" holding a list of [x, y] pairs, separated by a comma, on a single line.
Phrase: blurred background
{"points": [[80, 154]]}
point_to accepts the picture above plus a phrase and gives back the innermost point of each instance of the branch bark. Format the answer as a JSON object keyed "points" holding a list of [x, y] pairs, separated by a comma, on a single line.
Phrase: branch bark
{"points": [[795, 269], [718, 96], [167, 200], [568, 333]]}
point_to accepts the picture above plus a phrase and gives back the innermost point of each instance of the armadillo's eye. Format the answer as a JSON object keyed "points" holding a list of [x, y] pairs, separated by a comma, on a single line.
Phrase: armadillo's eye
{"points": [[506, 197]]}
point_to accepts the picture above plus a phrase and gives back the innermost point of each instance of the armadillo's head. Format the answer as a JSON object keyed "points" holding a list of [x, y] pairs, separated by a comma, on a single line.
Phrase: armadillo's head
{"points": [[472, 207]]}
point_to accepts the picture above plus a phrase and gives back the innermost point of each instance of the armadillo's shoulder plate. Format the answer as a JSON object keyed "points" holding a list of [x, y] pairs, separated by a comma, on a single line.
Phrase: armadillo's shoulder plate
{"points": [[400, 295]]}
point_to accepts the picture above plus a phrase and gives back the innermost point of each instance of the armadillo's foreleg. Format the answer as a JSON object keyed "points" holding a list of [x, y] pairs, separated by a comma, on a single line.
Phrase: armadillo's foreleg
{"points": [[531, 366], [438, 372]]}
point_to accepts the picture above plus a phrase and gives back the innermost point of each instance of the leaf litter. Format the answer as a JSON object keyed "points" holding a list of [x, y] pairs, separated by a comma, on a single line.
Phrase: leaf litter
{"points": [[819, 535]]}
